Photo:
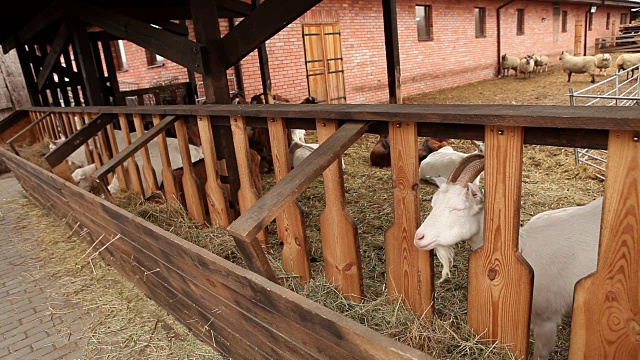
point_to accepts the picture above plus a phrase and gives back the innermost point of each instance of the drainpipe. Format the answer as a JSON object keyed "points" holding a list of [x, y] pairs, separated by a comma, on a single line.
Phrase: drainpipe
{"points": [[586, 30], [498, 33]]}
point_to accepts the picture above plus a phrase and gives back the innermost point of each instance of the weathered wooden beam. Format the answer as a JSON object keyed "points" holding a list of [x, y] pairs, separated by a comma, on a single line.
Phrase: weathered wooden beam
{"points": [[75, 141], [27, 73], [86, 62], [236, 6], [542, 116], [35, 123], [391, 44], [260, 25], [40, 22], [176, 48], [12, 119], [249, 224], [53, 57], [173, 27], [119, 159]]}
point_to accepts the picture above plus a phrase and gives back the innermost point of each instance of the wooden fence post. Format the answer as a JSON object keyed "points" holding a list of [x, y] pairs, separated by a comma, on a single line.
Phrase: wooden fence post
{"points": [[500, 280], [409, 270], [606, 310], [340, 243]]}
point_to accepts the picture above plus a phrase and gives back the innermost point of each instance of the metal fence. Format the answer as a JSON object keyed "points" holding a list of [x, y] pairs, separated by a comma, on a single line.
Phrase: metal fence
{"points": [[621, 89]]}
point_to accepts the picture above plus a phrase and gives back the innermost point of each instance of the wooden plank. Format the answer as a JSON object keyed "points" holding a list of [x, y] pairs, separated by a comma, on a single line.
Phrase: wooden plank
{"points": [[606, 310], [168, 178], [59, 43], [260, 25], [409, 270], [247, 194], [543, 116], [248, 225], [31, 126], [128, 153], [500, 279], [104, 151], [14, 118], [391, 45], [132, 164], [86, 63], [217, 200], [340, 244], [173, 47], [66, 121], [147, 167], [40, 22], [290, 222], [120, 171], [192, 193], [83, 135]]}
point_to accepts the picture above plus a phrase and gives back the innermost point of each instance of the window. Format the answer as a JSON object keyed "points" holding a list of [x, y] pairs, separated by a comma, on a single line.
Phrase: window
{"points": [[608, 20], [424, 21], [520, 23], [154, 59], [564, 21], [481, 22], [121, 57], [623, 18]]}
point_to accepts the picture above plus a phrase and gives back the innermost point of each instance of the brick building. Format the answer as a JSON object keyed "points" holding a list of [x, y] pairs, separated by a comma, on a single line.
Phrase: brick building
{"points": [[442, 44]]}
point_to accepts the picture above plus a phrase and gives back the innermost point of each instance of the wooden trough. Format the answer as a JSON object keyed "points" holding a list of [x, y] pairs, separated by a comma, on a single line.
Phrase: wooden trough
{"points": [[246, 314]]}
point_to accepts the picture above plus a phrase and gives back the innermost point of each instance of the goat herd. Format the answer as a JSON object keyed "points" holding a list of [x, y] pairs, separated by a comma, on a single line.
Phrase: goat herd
{"points": [[534, 63]]}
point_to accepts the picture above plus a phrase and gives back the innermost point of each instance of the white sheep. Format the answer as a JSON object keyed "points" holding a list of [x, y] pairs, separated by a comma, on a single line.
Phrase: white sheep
{"points": [[77, 159], [540, 61], [82, 176], [526, 66], [299, 151], [440, 164], [509, 63], [627, 61], [560, 245], [603, 62], [578, 65]]}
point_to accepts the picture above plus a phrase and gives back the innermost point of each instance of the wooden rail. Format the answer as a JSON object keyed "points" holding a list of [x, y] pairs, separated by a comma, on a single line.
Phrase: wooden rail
{"points": [[499, 303]]}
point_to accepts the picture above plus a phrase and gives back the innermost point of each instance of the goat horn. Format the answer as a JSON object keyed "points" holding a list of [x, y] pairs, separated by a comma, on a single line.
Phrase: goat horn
{"points": [[471, 172], [462, 165]]}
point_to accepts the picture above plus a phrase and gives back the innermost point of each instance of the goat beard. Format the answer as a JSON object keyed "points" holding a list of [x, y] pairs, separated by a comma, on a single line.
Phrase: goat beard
{"points": [[445, 255]]}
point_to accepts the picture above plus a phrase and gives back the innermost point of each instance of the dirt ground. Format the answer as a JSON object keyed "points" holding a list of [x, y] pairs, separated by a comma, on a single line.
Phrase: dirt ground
{"points": [[545, 88]]}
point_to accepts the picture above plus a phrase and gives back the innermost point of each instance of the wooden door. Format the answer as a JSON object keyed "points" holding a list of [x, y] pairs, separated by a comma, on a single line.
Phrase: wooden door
{"points": [[577, 43], [323, 58]]}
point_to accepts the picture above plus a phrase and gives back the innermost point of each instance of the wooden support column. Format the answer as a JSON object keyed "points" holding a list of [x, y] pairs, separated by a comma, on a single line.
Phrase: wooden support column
{"points": [[216, 88], [606, 310], [409, 270], [25, 64], [85, 61], [500, 280], [111, 70], [390, 16], [237, 68], [263, 60]]}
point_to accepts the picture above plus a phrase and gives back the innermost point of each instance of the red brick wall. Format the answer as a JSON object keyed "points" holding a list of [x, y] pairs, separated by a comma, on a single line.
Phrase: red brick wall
{"points": [[454, 57]]}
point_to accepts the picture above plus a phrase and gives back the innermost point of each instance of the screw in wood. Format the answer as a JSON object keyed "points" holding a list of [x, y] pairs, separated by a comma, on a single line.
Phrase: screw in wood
{"points": [[398, 125], [501, 132], [636, 138], [323, 124]]}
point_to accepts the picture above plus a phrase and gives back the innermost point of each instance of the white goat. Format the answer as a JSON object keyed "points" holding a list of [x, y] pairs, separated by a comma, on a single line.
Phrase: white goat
{"points": [[442, 162], [560, 245], [299, 151], [77, 159]]}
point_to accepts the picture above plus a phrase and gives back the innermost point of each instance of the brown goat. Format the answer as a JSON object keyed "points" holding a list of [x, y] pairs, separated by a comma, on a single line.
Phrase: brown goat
{"points": [[380, 155]]}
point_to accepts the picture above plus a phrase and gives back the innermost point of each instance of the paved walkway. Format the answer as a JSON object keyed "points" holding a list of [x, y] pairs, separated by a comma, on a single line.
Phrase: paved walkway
{"points": [[29, 329]]}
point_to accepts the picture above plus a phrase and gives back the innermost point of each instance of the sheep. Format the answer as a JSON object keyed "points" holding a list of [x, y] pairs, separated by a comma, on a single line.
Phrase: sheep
{"points": [[560, 245], [509, 63], [299, 151], [526, 66], [441, 163], [77, 159], [603, 62], [579, 65], [627, 61], [540, 61], [82, 176]]}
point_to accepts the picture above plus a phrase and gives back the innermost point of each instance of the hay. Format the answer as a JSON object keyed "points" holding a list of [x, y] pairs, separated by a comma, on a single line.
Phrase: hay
{"points": [[120, 322]]}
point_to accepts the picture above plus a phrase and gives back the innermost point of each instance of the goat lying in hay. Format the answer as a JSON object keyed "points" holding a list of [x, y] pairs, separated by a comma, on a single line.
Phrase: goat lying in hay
{"points": [[560, 245]]}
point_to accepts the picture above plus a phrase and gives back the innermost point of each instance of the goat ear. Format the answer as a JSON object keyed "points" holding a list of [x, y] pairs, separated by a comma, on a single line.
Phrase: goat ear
{"points": [[440, 181], [475, 191]]}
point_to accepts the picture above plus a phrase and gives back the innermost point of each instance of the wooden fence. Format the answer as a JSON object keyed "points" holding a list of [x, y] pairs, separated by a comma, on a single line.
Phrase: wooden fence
{"points": [[499, 306]]}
